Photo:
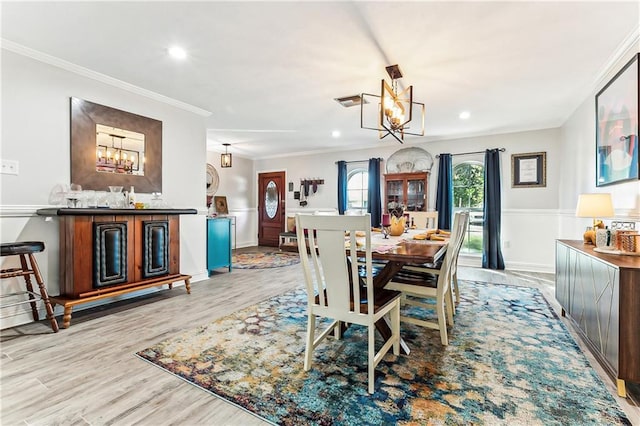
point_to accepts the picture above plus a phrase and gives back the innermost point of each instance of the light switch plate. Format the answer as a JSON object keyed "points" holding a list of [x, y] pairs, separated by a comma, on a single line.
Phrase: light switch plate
{"points": [[9, 167]]}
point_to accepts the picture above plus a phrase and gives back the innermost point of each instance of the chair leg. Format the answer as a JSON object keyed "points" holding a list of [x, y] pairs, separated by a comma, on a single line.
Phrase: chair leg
{"points": [[27, 279], [455, 287], [372, 353], [450, 307], [308, 351], [337, 331], [395, 324], [442, 322], [43, 293]]}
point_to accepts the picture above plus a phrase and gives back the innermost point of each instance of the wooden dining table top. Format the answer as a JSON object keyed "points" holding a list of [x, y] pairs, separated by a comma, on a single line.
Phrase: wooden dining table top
{"points": [[413, 252], [402, 249]]}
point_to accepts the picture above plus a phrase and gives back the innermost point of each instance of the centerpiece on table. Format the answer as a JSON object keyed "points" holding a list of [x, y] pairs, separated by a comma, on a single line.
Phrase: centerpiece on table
{"points": [[398, 220]]}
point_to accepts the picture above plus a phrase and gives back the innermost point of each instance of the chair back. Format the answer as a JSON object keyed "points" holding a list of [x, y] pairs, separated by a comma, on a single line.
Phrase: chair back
{"points": [[424, 220], [460, 222], [331, 270], [463, 225], [458, 229]]}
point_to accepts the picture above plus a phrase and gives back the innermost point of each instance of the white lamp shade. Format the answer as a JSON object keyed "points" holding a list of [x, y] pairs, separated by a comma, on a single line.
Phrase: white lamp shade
{"points": [[594, 205]]}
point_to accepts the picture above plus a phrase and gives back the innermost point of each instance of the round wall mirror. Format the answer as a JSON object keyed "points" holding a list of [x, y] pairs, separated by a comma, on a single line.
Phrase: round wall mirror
{"points": [[213, 180]]}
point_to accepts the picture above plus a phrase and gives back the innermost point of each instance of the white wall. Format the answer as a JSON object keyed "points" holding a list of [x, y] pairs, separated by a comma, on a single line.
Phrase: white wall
{"points": [[238, 185], [578, 171], [35, 132]]}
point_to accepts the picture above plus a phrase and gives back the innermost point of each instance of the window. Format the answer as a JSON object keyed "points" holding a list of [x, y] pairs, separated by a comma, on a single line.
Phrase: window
{"points": [[468, 194], [357, 190]]}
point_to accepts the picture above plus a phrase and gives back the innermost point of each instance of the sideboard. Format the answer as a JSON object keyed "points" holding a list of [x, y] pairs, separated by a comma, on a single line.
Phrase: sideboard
{"points": [[600, 293], [110, 252]]}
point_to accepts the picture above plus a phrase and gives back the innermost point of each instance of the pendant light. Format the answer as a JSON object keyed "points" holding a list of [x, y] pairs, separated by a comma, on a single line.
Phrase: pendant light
{"points": [[225, 159]]}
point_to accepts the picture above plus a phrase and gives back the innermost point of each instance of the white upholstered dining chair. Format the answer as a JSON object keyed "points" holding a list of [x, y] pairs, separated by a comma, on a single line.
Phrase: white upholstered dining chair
{"points": [[337, 290], [416, 283]]}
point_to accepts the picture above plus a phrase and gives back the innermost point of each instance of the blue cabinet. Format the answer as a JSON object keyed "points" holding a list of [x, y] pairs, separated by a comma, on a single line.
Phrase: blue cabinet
{"points": [[218, 243]]}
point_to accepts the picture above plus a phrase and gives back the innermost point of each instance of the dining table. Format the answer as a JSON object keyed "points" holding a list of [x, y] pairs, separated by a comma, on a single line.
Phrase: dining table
{"points": [[391, 254]]}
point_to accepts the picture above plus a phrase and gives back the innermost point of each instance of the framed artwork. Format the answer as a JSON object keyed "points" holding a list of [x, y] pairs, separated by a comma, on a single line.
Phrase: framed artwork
{"points": [[529, 170], [617, 127], [221, 204]]}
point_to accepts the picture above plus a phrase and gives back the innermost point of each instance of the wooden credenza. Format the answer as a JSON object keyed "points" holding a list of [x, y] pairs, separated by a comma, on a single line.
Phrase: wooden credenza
{"points": [[109, 252], [600, 293]]}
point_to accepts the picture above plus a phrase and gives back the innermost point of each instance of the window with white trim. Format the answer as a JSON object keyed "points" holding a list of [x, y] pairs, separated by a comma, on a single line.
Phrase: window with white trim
{"points": [[357, 190]]}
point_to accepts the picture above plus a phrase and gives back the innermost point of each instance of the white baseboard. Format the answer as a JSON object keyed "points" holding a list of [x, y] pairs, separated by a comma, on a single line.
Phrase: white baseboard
{"points": [[476, 262]]}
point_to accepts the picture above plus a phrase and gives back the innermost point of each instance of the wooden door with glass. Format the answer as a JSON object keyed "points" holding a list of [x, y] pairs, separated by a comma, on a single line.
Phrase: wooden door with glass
{"points": [[271, 206]]}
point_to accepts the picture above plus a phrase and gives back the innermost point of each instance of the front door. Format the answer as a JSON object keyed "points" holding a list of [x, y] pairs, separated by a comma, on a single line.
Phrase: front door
{"points": [[271, 218]]}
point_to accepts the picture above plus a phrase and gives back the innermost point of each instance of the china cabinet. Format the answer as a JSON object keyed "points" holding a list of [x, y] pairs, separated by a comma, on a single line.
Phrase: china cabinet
{"points": [[408, 189]]}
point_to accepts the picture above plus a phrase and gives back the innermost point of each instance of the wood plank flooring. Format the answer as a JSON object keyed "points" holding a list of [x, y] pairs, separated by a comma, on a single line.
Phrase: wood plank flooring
{"points": [[88, 374]]}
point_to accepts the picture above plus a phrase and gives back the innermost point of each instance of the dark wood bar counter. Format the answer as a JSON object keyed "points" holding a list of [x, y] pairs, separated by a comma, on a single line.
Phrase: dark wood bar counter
{"points": [[109, 252]]}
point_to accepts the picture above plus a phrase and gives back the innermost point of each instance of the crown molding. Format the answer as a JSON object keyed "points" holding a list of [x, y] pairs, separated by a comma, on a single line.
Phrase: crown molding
{"points": [[103, 78], [631, 44]]}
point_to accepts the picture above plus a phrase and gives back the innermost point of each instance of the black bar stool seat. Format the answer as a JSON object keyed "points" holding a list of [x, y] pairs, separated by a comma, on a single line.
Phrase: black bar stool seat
{"points": [[28, 267]]}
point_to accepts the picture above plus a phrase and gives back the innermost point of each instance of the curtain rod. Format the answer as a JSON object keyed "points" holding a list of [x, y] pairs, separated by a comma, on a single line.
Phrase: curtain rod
{"points": [[475, 152], [358, 161]]}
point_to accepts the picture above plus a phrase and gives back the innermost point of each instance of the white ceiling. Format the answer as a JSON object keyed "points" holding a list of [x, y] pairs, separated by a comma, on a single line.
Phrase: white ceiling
{"points": [[268, 71]]}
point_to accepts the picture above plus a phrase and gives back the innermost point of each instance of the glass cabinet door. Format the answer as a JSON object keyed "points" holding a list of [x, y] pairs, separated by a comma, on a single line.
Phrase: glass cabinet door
{"points": [[415, 195], [395, 193]]}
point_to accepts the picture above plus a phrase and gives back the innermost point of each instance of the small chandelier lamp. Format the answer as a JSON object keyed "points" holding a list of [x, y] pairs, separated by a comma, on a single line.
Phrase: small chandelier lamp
{"points": [[225, 159], [395, 109]]}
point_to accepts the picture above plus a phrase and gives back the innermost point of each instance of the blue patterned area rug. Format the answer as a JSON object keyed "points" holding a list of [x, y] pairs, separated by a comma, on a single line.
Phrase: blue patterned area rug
{"points": [[264, 259], [510, 361]]}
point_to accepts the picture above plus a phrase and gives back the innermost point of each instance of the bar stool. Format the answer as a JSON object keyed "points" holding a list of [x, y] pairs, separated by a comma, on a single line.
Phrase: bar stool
{"points": [[28, 267]]}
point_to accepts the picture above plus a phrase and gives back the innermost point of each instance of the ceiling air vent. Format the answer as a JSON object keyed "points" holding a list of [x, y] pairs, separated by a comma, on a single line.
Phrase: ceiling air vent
{"points": [[349, 101]]}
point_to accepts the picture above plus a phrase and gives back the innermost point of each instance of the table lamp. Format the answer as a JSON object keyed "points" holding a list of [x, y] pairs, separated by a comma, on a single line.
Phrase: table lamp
{"points": [[594, 206]]}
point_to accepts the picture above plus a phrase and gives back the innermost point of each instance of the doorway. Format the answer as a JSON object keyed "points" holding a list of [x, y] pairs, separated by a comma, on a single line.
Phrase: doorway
{"points": [[271, 206]]}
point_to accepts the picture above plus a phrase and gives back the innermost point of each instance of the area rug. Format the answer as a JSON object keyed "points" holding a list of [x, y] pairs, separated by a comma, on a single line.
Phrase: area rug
{"points": [[510, 361], [263, 260]]}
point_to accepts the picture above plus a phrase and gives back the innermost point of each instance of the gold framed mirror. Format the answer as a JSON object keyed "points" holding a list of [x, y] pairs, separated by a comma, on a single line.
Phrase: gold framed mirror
{"points": [[111, 147], [213, 180]]}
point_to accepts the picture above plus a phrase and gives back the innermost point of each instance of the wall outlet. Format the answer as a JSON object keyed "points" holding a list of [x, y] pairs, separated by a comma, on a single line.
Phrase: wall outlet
{"points": [[507, 244], [9, 167]]}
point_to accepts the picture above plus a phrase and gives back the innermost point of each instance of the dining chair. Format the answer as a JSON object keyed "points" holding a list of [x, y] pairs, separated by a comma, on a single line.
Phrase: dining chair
{"points": [[424, 220], [420, 282], [463, 218], [336, 287]]}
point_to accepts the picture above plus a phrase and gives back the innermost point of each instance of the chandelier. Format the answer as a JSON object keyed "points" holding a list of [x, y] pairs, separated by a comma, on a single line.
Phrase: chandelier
{"points": [[395, 109], [116, 159]]}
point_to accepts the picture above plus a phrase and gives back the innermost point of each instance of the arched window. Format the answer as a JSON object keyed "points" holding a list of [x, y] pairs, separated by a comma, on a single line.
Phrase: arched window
{"points": [[357, 190], [468, 194]]}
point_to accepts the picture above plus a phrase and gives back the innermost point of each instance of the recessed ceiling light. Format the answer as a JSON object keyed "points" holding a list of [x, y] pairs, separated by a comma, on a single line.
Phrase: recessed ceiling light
{"points": [[464, 115], [177, 52], [335, 133]]}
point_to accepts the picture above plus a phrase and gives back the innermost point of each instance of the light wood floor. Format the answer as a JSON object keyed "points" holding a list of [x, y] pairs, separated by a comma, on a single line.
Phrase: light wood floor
{"points": [[88, 374]]}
